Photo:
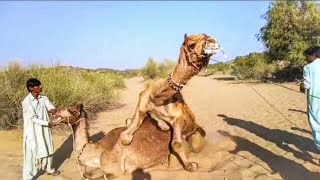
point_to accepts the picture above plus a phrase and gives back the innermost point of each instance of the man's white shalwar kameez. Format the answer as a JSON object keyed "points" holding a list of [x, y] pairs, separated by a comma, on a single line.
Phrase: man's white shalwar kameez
{"points": [[37, 136]]}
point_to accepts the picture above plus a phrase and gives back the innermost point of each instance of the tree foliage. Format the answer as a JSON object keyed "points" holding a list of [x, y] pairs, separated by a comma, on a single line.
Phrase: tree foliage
{"points": [[291, 27], [252, 66]]}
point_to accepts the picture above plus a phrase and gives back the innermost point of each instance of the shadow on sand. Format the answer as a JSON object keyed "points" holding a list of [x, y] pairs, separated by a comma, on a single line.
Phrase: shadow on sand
{"points": [[297, 110], [286, 168], [139, 174], [225, 78]]}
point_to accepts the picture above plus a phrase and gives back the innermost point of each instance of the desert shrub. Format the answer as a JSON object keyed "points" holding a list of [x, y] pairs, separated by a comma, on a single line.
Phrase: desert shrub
{"points": [[150, 70], [153, 70], [218, 68], [63, 86], [131, 73], [253, 66]]}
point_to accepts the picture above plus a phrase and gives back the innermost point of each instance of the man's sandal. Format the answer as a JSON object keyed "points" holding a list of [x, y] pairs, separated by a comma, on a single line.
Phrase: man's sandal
{"points": [[55, 173]]}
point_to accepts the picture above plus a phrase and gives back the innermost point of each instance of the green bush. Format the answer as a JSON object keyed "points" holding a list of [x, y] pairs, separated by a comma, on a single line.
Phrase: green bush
{"points": [[153, 70], [222, 68], [253, 66], [63, 86]]}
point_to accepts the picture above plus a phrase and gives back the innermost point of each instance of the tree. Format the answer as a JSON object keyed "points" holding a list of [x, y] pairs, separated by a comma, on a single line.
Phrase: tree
{"points": [[291, 27]]}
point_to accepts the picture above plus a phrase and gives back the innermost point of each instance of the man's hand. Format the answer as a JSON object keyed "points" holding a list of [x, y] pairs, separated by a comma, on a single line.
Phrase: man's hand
{"points": [[53, 111], [302, 89]]}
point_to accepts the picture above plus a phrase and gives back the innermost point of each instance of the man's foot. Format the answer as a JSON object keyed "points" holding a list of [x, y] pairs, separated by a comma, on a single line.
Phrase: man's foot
{"points": [[54, 173], [126, 139]]}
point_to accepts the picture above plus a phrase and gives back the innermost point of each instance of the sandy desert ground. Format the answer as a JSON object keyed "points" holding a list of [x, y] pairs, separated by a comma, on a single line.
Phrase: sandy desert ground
{"points": [[254, 131]]}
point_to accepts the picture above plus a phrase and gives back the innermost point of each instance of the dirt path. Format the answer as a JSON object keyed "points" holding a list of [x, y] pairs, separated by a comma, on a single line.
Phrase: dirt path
{"points": [[254, 131]]}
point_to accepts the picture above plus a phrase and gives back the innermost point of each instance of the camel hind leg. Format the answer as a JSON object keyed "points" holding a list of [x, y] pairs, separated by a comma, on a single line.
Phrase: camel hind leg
{"points": [[178, 148]]}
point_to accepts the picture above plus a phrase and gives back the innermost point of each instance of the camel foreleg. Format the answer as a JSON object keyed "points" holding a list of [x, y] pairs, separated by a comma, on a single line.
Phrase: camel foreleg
{"points": [[126, 136]]}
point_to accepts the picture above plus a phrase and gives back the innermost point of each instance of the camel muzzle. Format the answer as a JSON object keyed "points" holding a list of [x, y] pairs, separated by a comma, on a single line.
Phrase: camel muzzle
{"points": [[211, 48], [57, 119]]}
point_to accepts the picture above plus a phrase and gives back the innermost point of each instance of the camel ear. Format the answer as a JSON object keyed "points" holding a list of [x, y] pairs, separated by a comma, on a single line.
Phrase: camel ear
{"points": [[79, 106], [185, 37], [74, 111]]}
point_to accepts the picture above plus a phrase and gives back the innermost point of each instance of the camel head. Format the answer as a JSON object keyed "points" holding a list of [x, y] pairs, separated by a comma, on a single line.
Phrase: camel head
{"points": [[198, 50], [70, 114]]}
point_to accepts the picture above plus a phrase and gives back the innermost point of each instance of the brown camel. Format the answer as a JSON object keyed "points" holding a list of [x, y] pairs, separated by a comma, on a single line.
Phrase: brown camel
{"points": [[149, 147], [164, 102]]}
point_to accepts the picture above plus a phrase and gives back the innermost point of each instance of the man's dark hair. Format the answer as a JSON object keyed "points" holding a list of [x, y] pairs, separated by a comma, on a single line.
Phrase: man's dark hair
{"points": [[313, 50], [32, 82]]}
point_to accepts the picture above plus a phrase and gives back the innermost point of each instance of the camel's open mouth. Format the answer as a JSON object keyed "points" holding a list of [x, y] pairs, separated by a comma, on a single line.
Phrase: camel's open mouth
{"points": [[211, 48]]}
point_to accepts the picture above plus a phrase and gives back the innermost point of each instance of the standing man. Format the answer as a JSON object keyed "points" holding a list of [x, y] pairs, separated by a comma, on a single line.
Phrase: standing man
{"points": [[37, 136], [311, 83]]}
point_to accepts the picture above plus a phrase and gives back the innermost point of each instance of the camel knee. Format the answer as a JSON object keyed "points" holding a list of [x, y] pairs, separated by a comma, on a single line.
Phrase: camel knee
{"points": [[126, 136], [177, 146]]}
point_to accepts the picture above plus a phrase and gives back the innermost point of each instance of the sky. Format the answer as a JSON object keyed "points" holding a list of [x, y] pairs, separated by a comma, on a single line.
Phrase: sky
{"points": [[123, 35]]}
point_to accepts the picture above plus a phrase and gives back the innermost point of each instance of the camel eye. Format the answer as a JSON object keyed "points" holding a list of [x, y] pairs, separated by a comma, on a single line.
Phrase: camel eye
{"points": [[73, 111], [192, 46]]}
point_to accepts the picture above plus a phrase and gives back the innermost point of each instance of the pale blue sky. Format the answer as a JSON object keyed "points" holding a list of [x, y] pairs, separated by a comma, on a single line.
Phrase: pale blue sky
{"points": [[122, 35]]}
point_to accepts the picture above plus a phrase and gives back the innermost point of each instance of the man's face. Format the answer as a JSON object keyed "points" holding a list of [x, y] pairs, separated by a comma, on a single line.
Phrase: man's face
{"points": [[37, 89], [310, 58]]}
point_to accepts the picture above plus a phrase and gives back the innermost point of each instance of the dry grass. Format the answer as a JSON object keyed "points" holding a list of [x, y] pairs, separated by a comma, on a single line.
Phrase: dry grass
{"points": [[63, 86]]}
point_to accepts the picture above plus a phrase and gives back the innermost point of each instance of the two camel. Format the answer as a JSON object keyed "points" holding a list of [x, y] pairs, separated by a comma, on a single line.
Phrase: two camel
{"points": [[161, 122], [149, 147]]}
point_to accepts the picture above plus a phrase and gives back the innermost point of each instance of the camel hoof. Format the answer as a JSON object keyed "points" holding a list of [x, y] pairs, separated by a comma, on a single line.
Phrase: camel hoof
{"points": [[126, 139], [192, 167]]}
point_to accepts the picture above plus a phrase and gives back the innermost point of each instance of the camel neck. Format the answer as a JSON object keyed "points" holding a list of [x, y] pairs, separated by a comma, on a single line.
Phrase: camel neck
{"points": [[183, 72], [81, 135]]}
